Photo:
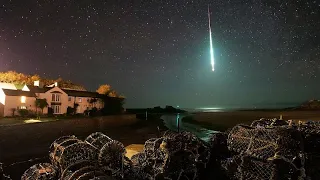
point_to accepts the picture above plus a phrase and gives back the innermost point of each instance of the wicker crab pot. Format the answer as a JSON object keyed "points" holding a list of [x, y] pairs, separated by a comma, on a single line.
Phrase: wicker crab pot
{"points": [[83, 170], [68, 150], [98, 140], [41, 171]]}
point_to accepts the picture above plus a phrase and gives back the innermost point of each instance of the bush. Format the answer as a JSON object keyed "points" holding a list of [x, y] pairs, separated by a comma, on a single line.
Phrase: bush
{"points": [[23, 112], [71, 110], [112, 105]]}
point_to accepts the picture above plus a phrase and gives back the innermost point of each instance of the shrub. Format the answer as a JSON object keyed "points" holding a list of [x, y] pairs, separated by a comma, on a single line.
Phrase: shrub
{"points": [[23, 112]]}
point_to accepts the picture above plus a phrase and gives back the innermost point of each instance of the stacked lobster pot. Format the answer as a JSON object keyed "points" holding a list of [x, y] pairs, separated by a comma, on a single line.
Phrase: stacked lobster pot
{"points": [[70, 159], [265, 123], [41, 171], [265, 153], [68, 150], [2, 175], [173, 156], [311, 135], [111, 154]]}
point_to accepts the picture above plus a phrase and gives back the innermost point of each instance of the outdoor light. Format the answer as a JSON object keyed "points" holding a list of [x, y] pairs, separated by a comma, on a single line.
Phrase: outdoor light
{"points": [[23, 99]]}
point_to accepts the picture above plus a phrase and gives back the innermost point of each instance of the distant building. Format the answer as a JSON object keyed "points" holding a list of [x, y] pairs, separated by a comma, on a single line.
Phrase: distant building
{"points": [[15, 97]]}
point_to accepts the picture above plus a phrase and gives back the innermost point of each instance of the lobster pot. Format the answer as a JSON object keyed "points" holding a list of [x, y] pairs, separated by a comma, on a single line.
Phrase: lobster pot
{"points": [[188, 141], [179, 164], [159, 161], [41, 171], [137, 173], [218, 146], [111, 156], [263, 143], [139, 159], [173, 143], [151, 145], [197, 147], [169, 134], [98, 139], [230, 166], [83, 170], [102, 178], [312, 166], [311, 138], [253, 168], [54, 151], [268, 123], [66, 151]]}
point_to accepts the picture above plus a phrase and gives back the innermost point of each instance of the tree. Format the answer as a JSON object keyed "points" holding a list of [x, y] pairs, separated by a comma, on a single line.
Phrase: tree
{"points": [[93, 102], [41, 103], [104, 89], [112, 93], [112, 105], [20, 78]]}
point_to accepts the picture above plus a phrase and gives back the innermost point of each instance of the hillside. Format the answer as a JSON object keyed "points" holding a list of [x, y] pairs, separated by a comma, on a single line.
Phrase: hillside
{"points": [[310, 105]]}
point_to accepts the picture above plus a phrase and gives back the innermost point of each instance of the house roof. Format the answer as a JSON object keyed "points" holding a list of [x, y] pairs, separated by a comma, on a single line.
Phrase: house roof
{"points": [[7, 86], [82, 93], [56, 92], [10, 92], [36, 89]]}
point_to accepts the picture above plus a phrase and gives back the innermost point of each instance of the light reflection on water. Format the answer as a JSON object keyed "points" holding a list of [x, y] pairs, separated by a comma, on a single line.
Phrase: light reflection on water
{"points": [[173, 121]]}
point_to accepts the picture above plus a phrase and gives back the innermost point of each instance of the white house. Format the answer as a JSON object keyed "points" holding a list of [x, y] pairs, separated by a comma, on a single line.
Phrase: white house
{"points": [[13, 97]]}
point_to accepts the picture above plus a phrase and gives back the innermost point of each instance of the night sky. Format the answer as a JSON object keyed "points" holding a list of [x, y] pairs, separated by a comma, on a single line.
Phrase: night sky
{"points": [[157, 52]]}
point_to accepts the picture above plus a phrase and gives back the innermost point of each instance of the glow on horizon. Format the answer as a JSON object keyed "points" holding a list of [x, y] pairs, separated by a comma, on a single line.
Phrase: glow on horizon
{"points": [[211, 43]]}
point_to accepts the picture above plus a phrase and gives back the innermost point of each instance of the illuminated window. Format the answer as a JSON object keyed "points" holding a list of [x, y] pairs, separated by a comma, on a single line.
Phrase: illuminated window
{"points": [[23, 107], [56, 97], [23, 99], [80, 99]]}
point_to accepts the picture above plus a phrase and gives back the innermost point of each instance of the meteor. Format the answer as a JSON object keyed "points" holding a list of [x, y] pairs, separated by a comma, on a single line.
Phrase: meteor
{"points": [[211, 44]]}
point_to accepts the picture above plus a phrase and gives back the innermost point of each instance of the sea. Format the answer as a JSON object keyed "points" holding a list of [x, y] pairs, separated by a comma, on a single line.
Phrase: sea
{"points": [[265, 106]]}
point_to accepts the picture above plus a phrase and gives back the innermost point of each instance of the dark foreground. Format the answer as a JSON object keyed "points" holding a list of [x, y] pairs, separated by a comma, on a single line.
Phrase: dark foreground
{"points": [[21, 143]]}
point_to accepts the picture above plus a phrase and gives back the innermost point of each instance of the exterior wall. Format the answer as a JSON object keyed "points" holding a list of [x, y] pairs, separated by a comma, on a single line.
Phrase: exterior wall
{"points": [[1, 110], [84, 104], [9, 102], [2, 102], [63, 99], [15, 102]]}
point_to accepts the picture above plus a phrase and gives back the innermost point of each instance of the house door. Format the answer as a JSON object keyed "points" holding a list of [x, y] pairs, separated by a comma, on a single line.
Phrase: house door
{"points": [[56, 109]]}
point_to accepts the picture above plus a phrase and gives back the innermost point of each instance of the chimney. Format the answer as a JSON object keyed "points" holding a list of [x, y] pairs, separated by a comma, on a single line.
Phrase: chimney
{"points": [[56, 84], [36, 83]]}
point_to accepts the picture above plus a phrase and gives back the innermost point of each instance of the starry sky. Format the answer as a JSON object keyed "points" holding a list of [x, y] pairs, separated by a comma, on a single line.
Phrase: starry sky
{"points": [[156, 52]]}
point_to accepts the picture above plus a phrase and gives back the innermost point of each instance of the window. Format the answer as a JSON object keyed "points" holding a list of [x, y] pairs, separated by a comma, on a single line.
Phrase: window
{"points": [[23, 99], [69, 98], [56, 98], [23, 107], [56, 109], [80, 99]]}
